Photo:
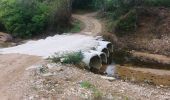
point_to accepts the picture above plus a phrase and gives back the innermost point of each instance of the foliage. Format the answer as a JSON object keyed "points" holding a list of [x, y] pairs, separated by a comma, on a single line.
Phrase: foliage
{"points": [[82, 4], [25, 18], [88, 85], [76, 26], [127, 23], [165, 3], [68, 58]]}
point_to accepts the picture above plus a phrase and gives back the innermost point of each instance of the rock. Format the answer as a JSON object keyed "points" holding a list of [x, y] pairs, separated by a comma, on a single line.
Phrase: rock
{"points": [[47, 74], [108, 78], [34, 67], [52, 65], [4, 37]]}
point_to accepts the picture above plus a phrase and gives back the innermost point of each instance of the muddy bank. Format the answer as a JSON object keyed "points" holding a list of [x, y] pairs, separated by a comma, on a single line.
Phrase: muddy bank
{"points": [[144, 75], [144, 68], [150, 60]]}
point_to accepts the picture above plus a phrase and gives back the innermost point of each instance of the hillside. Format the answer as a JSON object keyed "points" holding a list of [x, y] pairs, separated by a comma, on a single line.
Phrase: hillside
{"points": [[152, 32]]}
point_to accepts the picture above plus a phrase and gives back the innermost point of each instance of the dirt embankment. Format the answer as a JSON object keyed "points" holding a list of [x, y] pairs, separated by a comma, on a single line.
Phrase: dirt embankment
{"points": [[151, 39], [152, 34]]}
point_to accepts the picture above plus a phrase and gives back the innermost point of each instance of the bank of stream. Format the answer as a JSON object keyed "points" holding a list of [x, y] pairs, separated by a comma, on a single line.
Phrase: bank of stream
{"points": [[126, 68]]}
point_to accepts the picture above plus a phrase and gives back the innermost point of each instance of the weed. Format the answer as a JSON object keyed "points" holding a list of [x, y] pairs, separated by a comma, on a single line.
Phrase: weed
{"points": [[42, 70], [76, 26], [67, 58], [88, 85]]}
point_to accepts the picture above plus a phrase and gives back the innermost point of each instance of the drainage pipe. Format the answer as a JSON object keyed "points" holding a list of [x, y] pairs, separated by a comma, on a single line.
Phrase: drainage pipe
{"points": [[92, 60], [106, 44], [102, 56], [103, 49]]}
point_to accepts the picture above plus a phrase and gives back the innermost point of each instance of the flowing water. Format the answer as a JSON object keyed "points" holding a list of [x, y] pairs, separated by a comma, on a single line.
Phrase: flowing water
{"points": [[111, 70]]}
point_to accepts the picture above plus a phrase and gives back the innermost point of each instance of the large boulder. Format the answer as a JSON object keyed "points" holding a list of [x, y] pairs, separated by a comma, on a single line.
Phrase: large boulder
{"points": [[4, 37]]}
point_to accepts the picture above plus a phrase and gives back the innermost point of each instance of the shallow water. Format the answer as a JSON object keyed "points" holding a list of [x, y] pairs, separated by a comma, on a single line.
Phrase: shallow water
{"points": [[111, 70], [131, 74]]}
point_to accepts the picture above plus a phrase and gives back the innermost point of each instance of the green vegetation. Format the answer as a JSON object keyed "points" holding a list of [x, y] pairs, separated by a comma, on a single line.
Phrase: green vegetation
{"points": [[127, 23], [76, 26], [25, 18], [122, 15], [88, 85], [68, 58], [164, 3]]}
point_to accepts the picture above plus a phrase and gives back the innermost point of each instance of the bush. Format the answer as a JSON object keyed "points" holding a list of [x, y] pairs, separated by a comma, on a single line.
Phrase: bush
{"points": [[76, 26], [127, 23], [82, 4], [68, 58], [165, 3], [25, 18]]}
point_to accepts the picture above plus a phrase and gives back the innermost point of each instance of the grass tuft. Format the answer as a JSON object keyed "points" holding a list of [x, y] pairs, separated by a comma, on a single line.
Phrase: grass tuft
{"points": [[67, 58], [88, 85]]}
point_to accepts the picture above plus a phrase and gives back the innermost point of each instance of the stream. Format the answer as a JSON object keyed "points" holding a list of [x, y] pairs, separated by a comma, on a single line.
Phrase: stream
{"points": [[137, 74]]}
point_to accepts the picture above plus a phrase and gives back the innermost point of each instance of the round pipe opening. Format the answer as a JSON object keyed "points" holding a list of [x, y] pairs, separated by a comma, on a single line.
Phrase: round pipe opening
{"points": [[110, 47], [105, 50], [103, 58], [110, 58], [95, 62]]}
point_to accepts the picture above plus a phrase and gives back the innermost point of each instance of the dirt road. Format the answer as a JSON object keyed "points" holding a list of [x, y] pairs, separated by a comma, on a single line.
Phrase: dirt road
{"points": [[92, 25], [12, 68]]}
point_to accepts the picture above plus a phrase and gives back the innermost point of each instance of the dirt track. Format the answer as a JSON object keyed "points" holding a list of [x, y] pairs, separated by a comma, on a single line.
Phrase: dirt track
{"points": [[12, 68], [91, 24]]}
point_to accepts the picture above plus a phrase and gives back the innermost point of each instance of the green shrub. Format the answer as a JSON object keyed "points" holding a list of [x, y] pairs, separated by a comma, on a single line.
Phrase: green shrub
{"points": [[25, 18], [127, 23], [68, 58], [76, 26], [81, 4], [165, 3]]}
